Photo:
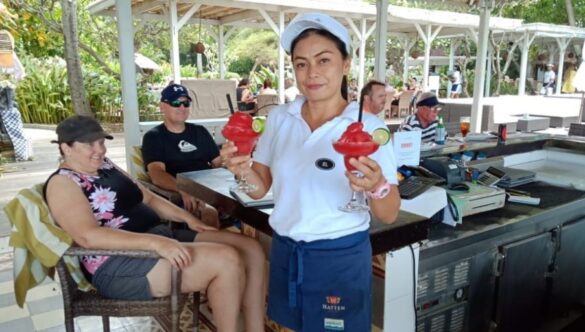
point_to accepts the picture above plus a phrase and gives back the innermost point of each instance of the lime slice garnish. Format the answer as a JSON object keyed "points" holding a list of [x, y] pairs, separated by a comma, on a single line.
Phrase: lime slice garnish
{"points": [[258, 125], [381, 136]]}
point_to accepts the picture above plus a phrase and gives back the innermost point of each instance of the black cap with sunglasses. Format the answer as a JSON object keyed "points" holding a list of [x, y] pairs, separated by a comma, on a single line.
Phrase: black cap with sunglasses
{"points": [[428, 99], [172, 93]]}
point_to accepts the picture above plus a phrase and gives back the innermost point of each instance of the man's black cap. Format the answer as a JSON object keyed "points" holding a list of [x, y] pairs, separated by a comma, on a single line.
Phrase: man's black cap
{"points": [[80, 128], [173, 92]]}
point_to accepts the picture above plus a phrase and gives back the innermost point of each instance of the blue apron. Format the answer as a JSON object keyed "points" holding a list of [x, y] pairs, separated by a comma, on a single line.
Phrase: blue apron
{"points": [[324, 285]]}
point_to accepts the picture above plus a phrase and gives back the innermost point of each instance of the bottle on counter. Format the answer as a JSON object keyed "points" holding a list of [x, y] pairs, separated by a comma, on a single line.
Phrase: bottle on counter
{"points": [[440, 131], [502, 133]]}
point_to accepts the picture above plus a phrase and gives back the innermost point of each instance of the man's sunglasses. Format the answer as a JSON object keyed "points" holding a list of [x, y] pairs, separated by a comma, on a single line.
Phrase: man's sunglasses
{"points": [[178, 103]]}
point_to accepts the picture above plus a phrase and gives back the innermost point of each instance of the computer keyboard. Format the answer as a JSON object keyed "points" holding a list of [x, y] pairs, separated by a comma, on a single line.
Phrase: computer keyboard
{"points": [[413, 186]]}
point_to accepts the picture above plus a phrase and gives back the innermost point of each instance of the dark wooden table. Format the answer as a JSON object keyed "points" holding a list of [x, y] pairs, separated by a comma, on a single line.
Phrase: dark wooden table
{"points": [[212, 187]]}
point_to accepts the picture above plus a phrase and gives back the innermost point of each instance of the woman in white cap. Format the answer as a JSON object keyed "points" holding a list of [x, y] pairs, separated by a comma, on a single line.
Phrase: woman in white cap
{"points": [[320, 269]]}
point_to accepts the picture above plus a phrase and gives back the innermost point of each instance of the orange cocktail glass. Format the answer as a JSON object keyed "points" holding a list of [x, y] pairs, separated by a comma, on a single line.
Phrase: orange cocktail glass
{"points": [[464, 125]]}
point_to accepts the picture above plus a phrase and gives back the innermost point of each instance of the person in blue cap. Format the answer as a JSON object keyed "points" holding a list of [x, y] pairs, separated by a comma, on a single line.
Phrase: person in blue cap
{"points": [[320, 265], [177, 146]]}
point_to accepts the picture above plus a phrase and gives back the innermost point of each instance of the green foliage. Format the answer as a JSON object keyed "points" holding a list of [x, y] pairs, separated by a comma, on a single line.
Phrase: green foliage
{"points": [[261, 46], [506, 88], [43, 95], [242, 66], [546, 11], [262, 74]]}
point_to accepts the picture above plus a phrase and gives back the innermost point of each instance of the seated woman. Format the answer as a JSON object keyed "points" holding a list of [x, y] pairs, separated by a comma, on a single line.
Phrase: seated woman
{"points": [[101, 207], [267, 88], [246, 102]]}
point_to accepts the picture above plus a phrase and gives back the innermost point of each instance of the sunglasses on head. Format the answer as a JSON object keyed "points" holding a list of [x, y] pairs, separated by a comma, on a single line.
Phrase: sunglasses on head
{"points": [[178, 103]]}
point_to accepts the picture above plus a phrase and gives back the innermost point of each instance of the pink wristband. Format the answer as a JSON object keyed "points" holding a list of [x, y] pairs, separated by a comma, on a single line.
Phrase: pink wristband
{"points": [[380, 192]]}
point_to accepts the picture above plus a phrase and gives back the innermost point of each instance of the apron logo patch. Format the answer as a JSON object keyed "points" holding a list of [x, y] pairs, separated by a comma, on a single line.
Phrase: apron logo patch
{"points": [[324, 164], [334, 324], [333, 299], [332, 303]]}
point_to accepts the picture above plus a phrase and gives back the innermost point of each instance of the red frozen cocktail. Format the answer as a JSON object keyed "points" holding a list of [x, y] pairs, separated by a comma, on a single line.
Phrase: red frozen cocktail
{"points": [[239, 130], [355, 143]]}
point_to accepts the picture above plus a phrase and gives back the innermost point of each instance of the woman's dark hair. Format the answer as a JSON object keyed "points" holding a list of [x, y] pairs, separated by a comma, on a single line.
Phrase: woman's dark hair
{"points": [[338, 43], [267, 83], [61, 150], [243, 81]]}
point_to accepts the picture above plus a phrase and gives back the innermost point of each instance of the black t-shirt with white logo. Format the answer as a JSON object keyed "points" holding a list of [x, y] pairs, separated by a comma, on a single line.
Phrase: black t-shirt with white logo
{"points": [[191, 150]]}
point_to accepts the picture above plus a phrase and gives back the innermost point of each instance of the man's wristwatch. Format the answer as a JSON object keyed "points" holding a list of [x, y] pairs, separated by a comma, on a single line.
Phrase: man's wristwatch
{"points": [[380, 192]]}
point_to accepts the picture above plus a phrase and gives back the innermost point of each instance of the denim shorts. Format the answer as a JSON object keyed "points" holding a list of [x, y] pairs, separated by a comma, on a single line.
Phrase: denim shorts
{"points": [[124, 278]]}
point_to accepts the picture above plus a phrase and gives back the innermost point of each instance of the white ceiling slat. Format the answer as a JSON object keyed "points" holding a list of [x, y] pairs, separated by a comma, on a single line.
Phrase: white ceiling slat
{"points": [[188, 15], [147, 6], [353, 27], [402, 18], [269, 21], [242, 16]]}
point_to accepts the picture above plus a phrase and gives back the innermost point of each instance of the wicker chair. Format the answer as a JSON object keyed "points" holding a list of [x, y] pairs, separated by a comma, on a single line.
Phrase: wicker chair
{"points": [[403, 106], [144, 179], [265, 103], [77, 303]]}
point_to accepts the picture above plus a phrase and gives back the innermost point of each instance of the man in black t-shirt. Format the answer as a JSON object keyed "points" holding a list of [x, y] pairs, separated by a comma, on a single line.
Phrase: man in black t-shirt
{"points": [[176, 146]]}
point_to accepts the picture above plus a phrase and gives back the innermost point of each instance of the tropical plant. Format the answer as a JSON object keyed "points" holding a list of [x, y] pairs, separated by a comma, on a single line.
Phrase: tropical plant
{"points": [[242, 66], [43, 95], [262, 74]]}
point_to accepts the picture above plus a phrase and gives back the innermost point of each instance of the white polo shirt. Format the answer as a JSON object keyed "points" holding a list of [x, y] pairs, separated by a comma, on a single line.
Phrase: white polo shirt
{"points": [[308, 180]]}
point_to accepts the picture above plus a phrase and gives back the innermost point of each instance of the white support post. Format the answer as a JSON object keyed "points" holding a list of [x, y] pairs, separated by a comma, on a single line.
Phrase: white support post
{"points": [[220, 51], [427, 36], [407, 44], [478, 84], [175, 62], [278, 29], [381, 35], [527, 40], [362, 35], [454, 45], [427, 64], [362, 60], [280, 58], [488, 74], [128, 78], [563, 43]]}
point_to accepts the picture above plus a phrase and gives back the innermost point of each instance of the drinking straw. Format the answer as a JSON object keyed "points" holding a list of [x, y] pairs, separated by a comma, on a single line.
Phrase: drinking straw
{"points": [[229, 99], [361, 109]]}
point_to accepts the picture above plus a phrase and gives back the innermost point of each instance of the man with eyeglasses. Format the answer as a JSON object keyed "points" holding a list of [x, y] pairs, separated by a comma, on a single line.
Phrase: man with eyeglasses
{"points": [[176, 146], [425, 117]]}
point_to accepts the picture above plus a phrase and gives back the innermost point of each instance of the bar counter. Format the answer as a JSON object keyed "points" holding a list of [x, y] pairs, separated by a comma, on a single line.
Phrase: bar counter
{"points": [[212, 186], [504, 269]]}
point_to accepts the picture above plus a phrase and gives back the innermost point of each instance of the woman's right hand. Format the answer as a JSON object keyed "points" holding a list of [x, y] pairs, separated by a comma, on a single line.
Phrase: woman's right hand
{"points": [[236, 164], [173, 251]]}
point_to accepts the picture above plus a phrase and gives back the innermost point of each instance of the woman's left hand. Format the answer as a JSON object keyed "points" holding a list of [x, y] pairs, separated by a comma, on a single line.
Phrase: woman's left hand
{"points": [[371, 171]]}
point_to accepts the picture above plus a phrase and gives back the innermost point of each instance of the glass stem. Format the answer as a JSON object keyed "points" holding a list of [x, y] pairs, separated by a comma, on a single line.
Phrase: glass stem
{"points": [[354, 196]]}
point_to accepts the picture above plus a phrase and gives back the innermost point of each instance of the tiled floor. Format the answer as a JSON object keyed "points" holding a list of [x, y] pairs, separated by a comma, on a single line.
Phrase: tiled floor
{"points": [[43, 310]]}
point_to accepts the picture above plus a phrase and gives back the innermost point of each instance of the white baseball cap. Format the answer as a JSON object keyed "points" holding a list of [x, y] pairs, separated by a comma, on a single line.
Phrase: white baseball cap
{"points": [[314, 21]]}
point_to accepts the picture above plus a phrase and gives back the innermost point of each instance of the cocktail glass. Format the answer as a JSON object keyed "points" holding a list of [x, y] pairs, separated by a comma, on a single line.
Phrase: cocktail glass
{"points": [[355, 143], [239, 130], [464, 125]]}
